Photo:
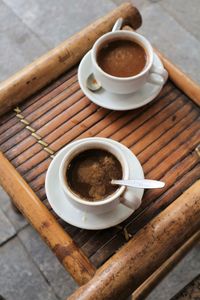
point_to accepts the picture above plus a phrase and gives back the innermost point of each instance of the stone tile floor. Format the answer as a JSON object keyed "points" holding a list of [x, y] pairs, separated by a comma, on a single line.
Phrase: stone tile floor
{"points": [[28, 269]]}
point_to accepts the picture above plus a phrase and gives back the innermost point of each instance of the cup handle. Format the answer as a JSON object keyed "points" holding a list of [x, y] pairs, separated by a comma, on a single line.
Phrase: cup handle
{"points": [[129, 200], [157, 75]]}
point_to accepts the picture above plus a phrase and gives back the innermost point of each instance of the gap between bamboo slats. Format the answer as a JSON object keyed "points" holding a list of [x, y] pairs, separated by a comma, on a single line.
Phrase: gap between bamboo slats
{"points": [[160, 156], [25, 141], [172, 173], [30, 175], [180, 145], [49, 96], [25, 144], [146, 113], [44, 96], [154, 121], [35, 118], [89, 121], [167, 137], [39, 115], [67, 94], [48, 127], [35, 148], [81, 102], [177, 146], [98, 114], [50, 90], [153, 135]]}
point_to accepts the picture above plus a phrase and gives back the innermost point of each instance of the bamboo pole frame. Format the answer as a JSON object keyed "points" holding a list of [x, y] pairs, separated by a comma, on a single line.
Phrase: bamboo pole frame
{"points": [[43, 221]]}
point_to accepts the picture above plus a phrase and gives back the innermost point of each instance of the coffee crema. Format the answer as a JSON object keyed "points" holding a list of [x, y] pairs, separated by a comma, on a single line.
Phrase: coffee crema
{"points": [[122, 58], [90, 172]]}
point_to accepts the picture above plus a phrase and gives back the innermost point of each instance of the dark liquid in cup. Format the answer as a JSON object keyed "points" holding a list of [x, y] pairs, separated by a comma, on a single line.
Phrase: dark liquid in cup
{"points": [[122, 58], [89, 174]]}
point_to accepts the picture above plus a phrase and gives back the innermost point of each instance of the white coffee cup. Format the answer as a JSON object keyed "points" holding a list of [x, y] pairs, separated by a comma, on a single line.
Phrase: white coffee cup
{"points": [[121, 195], [127, 85]]}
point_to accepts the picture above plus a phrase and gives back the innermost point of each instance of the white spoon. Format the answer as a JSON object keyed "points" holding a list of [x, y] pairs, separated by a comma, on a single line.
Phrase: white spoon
{"points": [[91, 82], [140, 183]]}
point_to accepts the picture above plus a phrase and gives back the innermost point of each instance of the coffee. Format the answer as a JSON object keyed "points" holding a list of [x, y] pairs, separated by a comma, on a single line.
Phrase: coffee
{"points": [[122, 58], [90, 172]]}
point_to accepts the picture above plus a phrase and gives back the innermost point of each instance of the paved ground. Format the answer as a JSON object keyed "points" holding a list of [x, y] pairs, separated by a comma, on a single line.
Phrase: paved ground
{"points": [[29, 271]]}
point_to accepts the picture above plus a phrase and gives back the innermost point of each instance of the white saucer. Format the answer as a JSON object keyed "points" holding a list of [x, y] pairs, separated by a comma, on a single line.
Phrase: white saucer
{"points": [[65, 210], [115, 101]]}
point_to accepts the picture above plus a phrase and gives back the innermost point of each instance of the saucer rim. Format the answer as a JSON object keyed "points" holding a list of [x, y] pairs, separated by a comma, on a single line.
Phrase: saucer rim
{"points": [[88, 93], [85, 226]]}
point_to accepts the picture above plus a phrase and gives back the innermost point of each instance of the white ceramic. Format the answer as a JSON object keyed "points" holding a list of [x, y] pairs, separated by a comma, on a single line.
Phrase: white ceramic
{"points": [[116, 101], [121, 195], [127, 85], [63, 207]]}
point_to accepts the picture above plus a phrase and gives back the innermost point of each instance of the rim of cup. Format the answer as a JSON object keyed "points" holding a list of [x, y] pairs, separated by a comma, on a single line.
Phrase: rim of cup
{"points": [[75, 150], [141, 40]]}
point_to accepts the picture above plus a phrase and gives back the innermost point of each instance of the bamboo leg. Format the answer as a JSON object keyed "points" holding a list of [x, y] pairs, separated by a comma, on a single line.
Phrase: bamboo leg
{"points": [[147, 250], [42, 220], [144, 289]]}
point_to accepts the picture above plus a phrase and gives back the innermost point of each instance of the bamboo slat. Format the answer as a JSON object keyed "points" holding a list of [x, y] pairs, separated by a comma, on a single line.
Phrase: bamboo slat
{"points": [[146, 252]]}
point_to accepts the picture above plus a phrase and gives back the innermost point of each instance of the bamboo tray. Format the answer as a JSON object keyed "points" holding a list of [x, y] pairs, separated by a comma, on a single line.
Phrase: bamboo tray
{"points": [[164, 135]]}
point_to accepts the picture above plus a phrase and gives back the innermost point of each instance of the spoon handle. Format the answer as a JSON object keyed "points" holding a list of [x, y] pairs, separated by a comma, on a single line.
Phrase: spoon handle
{"points": [[140, 183]]}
